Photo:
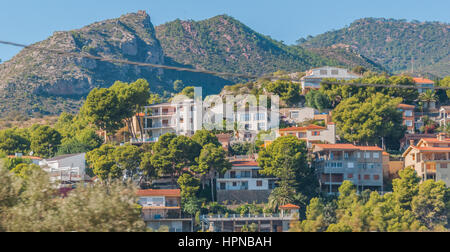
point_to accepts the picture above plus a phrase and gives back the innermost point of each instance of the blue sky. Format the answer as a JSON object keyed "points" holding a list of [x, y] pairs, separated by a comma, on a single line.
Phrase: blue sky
{"points": [[29, 21]]}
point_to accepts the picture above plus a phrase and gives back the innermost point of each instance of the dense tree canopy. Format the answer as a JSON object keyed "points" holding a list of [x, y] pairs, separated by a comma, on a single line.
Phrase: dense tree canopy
{"points": [[13, 141], [410, 207], [31, 204], [370, 120], [45, 141]]}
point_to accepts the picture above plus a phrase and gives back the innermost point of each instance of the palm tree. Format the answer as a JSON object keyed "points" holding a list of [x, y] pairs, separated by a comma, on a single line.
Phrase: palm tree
{"points": [[428, 96]]}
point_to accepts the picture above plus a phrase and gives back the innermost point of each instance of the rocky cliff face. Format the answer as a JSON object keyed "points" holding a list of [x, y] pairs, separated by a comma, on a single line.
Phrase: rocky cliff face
{"points": [[37, 73]]}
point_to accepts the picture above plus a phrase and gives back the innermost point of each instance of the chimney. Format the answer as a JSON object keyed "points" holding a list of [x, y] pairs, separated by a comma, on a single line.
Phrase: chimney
{"points": [[441, 136]]}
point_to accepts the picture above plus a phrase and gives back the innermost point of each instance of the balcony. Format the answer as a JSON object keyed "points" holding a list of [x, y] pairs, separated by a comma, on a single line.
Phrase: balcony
{"points": [[162, 125]]}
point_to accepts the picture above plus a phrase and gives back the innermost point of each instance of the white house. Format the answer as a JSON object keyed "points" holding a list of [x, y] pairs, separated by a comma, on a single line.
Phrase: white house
{"points": [[244, 183], [444, 116], [315, 76], [66, 168]]}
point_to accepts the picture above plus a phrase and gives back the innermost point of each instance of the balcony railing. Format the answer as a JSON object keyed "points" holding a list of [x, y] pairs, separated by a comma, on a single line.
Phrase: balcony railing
{"points": [[222, 217], [159, 125]]}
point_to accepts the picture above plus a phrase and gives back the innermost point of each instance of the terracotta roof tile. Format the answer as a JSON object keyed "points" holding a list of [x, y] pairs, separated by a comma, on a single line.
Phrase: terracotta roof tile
{"points": [[406, 106], [309, 127], [160, 192], [239, 163], [26, 157], [348, 147], [289, 206], [423, 81]]}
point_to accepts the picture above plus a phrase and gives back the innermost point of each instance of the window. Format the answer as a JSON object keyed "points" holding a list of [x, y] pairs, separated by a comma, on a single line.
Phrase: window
{"points": [[366, 177], [259, 117], [367, 155], [350, 175], [234, 184], [323, 72], [444, 165], [259, 183], [245, 174], [408, 113], [376, 177], [245, 117], [261, 126], [376, 155], [316, 133], [334, 72], [358, 154], [294, 114], [409, 123], [222, 186], [350, 165], [233, 174]]}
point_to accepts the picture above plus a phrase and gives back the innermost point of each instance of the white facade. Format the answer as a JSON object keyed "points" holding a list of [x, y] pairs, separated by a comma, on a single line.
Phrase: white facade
{"points": [[315, 76], [244, 177], [179, 117], [298, 115], [185, 117], [444, 116], [65, 168]]}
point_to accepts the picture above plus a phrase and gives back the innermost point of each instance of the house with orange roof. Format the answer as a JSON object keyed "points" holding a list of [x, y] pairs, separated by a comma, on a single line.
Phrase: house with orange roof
{"points": [[162, 207], [243, 182], [335, 163], [423, 82], [312, 133], [34, 160], [430, 158], [408, 116]]}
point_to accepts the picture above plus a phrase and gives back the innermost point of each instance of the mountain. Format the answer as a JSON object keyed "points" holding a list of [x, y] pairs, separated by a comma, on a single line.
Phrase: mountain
{"points": [[37, 82], [222, 43], [394, 44]]}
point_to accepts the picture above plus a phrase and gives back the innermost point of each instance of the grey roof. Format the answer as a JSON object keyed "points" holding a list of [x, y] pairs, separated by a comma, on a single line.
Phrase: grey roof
{"points": [[64, 156]]}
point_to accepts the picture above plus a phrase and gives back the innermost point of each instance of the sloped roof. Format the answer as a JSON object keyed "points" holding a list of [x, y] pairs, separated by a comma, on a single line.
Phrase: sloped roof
{"points": [[406, 106], [26, 157], [64, 156], [423, 81], [347, 147], [238, 163], [309, 127], [160, 192], [289, 206]]}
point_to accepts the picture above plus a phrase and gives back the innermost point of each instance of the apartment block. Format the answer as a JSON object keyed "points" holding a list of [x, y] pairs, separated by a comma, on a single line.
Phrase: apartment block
{"points": [[362, 165]]}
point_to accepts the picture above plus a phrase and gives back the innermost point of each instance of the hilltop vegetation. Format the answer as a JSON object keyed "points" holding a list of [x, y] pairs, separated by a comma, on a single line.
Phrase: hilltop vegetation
{"points": [[222, 43], [38, 83], [393, 43]]}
